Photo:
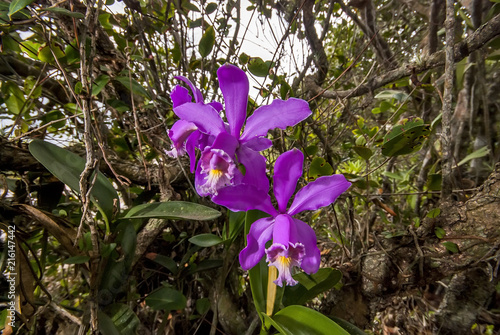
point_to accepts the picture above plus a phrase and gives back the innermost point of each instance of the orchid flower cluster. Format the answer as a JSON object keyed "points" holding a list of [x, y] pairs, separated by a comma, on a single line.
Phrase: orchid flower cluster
{"points": [[232, 171]]}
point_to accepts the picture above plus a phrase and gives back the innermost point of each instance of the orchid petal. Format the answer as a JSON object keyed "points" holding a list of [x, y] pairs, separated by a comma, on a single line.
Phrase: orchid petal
{"points": [[260, 232], [203, 116], [284, 231], [180, 95], [255, 168], [178, 134], [287, 171], [319, 193], [216, 105], [233, 83], [199, 181], [191, 143], [279, 114], [198, 97], [226, 142], [258, 143], [244, 197], [312, 259]]}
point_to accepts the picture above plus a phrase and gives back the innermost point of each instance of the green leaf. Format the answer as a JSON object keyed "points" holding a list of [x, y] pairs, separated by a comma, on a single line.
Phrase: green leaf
{"points": [[349, 327], [300, 320], [132, 85], [77, 260], [16, 100], [47, 52], [206, 240], [319, 167], [207, 42], [434, 181], [174, 210], [67, 167], [124, 319], [207, 264], [451, 247], [211, 7], [106, 325], [440, 232], [310, 286], [236, 221], [100, 83], [165, 261], [405, 138], [364, 152], [434, 213], [392, 94], [16, 5], [258, 67], [203, 305], [64, 11], [166, 299], [484, 151]]}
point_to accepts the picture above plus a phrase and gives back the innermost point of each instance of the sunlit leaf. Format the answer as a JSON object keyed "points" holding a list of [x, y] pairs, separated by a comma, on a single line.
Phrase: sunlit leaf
{"points": [[484, 151], [207, 42], [206, 240], [77, 260], [133, 85], [451, 247], [300, 320], [172, 210], [310, 286], [319, 167], [16, 5], [405, 138]]}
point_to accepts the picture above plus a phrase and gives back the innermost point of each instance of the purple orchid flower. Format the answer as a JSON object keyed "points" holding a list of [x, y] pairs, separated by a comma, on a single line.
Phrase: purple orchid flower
{"points": [[294, 241], [224, 146]]}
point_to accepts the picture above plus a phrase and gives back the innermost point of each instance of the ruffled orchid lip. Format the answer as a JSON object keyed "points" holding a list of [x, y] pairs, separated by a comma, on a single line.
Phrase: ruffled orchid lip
{"points": [[217, 169], [285, 258]]}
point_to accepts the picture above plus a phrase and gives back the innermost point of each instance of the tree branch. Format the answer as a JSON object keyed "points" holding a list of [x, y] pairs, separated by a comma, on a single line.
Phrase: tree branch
{"points": [[473, 42]]}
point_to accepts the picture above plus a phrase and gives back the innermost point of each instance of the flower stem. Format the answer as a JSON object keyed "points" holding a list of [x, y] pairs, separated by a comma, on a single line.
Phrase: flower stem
{"points": [[271, 290]]}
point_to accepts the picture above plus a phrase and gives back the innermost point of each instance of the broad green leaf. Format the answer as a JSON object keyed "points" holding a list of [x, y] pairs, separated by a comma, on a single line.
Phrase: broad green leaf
{"points": [[16, 5], [484, 151], [203, 305], [258, 67], [349, 327], [440, 232], [236, 221], [319, 167], [124, 319], [165, 261], [207, 42], [16, 101], [206, 240], [434, 181], [64, 11], [451, 247], [174, 210], [106, 325], [300, 320], [434, 213], [310, 286], [132, 85], [47, 52], [311, 150], [166, 299], [364, 152], [211, 7], [405, 138], [77, 260], [100, 83], [67, 167]]}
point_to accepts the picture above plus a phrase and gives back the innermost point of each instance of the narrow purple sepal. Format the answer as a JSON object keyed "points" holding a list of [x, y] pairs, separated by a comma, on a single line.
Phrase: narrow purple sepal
{"points": [[287, 171], [279, 114], [260, 232], [178, 134], [179, 96], [233, 83], [319, 193], [198, 97]]}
